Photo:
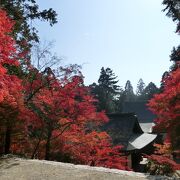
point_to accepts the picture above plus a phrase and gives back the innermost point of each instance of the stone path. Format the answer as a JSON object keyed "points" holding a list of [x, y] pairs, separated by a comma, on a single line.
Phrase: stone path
{"points": [[21, 169]]}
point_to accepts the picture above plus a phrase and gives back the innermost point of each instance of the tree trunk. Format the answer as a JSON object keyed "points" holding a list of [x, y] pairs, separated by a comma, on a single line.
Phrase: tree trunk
{"points": [[37, 146], [47, 152], [7, 140], [35, 149]]}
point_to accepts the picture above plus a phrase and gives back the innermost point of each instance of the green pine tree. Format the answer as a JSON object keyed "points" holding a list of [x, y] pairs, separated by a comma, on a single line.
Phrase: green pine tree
{"points": [[107, 91]]}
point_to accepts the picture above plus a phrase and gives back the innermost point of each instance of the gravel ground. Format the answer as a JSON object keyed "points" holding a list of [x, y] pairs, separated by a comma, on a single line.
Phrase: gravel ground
{"points": [[22, 169]]}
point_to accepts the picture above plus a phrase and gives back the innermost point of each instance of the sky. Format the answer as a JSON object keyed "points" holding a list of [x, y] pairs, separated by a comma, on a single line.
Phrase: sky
{"points": [[134, 38]]}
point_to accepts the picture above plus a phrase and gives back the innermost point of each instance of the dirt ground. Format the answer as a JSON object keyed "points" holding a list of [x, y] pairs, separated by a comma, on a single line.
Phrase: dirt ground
{"points": [[22, 169]]}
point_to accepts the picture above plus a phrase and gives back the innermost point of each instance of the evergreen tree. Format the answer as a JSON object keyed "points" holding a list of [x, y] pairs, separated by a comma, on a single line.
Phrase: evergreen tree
{"points": [[107, 91], [140, 90], [164, 76], [173, 10], [108, 80], [140, 87], [175, 58], [175, 55], [150, 90], [128, 92], [95, 91]]}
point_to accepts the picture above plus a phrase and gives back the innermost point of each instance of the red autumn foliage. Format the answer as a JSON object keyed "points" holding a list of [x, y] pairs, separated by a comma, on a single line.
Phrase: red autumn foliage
{"points": [[8, 52], [163, 160], [161, 165], [163, 149], [11, 99], [94, 149], [66, 113], [166, 106], [44, 116]]}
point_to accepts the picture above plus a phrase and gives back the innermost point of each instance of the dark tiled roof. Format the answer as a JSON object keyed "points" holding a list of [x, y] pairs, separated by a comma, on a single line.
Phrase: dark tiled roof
{"points": [[122, 127], [141, 110], [147, 127], [140, 141], [125, 130]]}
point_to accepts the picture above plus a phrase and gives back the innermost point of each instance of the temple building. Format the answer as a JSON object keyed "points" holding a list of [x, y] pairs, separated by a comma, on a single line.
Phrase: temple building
{"points": [[125, 130]]}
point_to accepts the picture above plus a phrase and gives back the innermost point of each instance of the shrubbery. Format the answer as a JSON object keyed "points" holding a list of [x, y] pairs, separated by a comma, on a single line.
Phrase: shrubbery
{"points": [[161, 165]]}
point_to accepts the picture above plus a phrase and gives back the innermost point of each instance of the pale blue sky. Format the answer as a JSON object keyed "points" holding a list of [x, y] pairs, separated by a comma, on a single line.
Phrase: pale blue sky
{"points": [[134, 38]]}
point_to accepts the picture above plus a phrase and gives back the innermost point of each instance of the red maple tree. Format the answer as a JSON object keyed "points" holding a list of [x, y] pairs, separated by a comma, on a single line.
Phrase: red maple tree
{"points": [[166, 106], [11, 99], [64, 127], [48, 117]]}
